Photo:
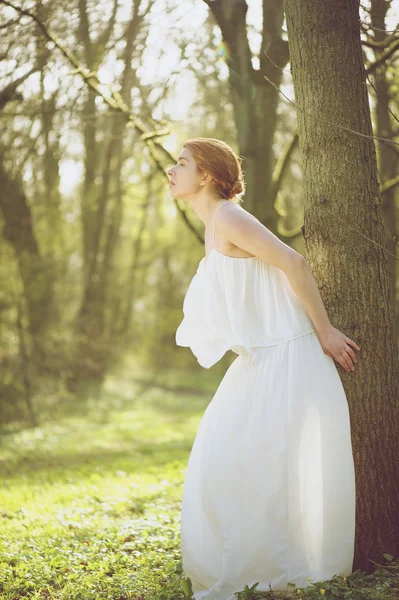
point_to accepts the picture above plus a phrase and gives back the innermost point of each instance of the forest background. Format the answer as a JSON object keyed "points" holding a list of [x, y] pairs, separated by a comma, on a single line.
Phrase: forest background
{"points": [[96, 255], [96, 101]]}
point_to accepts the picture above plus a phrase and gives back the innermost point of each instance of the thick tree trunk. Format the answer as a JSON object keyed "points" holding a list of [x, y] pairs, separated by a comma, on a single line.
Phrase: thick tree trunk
{"points": [[343, 210]]}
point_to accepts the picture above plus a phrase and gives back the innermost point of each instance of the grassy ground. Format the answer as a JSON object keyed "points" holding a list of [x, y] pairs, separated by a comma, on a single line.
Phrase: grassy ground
{"points": [[90, 502]]}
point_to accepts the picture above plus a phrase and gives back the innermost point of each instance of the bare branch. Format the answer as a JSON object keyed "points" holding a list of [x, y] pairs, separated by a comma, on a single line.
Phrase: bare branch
{"points": [[387, 106], [383, 58], [289, 233], [371, 43], [365, 135], [230, 15], [388, 185], [11, 22], [280, 169], [114, 100], [367, 27], [9, 92]]}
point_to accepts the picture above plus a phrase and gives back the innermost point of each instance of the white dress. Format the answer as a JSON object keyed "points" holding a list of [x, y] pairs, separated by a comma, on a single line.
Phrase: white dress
{"points": [[269, 491]]}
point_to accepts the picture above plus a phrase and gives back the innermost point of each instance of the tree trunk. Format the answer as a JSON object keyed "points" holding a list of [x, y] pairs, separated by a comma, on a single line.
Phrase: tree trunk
{"points": [[101, 223], [36, 275], [342, 206], [49, 196], [254, 99], [388, 157]]}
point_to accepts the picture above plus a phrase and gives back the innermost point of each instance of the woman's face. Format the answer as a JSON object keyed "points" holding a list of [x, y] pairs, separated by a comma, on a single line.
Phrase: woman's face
{"points": [[184, 176]]}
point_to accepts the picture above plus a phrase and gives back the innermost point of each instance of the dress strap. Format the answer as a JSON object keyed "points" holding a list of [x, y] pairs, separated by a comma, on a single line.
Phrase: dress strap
{"points": [[214, 219]]}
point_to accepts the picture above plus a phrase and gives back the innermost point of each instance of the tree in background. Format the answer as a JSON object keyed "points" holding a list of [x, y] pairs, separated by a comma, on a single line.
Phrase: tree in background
{"points": [[346, 248], [92, 279], [99, 253], [383, 76], [255, 102]]}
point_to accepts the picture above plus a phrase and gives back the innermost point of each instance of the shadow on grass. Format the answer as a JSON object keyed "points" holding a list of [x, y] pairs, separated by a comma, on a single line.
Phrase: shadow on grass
{"points": [[122, 430], [79, 465]]}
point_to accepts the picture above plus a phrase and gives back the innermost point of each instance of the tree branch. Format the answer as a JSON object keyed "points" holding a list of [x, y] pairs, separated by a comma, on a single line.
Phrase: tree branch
{"points": [[365, 135], [389, 184], [230, 15], [371, 43], [280, 169], [9, 92], [289, 233], [114, 100], [383, 58]]}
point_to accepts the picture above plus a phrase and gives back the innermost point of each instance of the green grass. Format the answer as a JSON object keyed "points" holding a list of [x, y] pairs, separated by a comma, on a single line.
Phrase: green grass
{"points": [[90, 500]]}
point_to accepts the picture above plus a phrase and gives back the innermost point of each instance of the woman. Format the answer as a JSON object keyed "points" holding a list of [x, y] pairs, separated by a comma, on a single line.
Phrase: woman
{"points": [[269, 492]]}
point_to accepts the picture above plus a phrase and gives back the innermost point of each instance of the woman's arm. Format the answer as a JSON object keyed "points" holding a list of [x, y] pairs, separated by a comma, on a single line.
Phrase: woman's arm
{"points": [[334, 343], [240, 228]]}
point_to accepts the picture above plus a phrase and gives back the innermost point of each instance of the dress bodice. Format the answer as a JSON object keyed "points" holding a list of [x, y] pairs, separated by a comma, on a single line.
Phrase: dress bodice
{"points": [[238, 303]]}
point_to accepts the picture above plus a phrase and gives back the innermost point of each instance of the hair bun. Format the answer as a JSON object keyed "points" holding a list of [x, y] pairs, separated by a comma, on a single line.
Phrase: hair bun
{"points": [[237, 187]]}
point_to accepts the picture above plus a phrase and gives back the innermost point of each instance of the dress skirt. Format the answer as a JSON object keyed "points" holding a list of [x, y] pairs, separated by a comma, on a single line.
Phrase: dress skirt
{"points": [[269, 491]]}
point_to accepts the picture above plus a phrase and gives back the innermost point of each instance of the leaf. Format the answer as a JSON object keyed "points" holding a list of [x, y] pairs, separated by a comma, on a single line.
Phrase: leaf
{"points": [[185, 587], [388, 556]]}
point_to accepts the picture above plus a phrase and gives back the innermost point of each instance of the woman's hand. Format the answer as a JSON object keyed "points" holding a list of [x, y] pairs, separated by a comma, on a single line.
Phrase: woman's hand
{"points": [[338, 346]]}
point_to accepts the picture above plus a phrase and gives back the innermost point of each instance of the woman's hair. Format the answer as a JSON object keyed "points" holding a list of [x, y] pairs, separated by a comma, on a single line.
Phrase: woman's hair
{"points": [[221, 162]]}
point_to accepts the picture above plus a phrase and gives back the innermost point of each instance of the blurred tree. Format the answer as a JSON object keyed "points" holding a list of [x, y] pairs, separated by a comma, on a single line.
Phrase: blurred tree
{"points": [[105, 303], [88, 172], [388, 154], [254, 100], [101, 200], [36, 216], [346, 248], [35, 273]]}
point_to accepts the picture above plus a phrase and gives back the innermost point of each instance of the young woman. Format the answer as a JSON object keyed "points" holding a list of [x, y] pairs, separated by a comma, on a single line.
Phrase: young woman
{"points": [[269, 492]]}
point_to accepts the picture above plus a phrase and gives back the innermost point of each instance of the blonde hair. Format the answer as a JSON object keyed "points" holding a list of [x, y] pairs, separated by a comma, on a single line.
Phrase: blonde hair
{"points": [[219, 160]]}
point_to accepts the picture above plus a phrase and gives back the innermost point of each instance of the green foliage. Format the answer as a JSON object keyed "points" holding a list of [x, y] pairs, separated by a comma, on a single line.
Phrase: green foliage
{"points": [[91, 504]]}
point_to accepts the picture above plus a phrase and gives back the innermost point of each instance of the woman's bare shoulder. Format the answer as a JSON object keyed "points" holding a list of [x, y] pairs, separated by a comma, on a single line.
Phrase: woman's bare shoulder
{"points": [[241, 210]]}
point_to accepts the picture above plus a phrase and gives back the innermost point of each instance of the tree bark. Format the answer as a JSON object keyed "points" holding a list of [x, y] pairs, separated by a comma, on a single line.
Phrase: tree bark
{"points": [[343, 209]]}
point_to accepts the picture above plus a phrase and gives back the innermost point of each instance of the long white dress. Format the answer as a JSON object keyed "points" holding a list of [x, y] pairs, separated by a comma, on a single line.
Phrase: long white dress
{"points": [[269, 491]]}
